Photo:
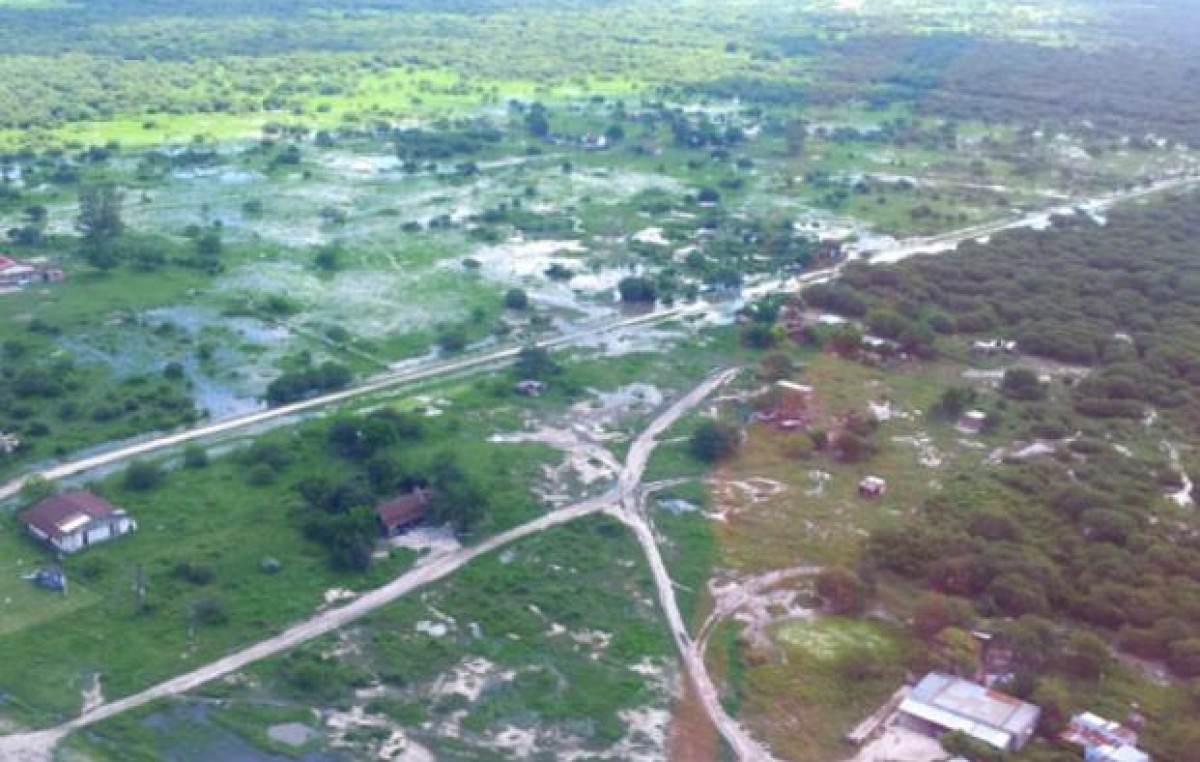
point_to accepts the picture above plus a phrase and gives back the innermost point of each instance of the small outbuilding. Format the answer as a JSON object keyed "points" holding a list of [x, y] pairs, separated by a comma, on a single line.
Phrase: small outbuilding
{"points": [[872, 487], [971, 422], [530, 387], [73, 521], [405, 512], [1104, 740]]}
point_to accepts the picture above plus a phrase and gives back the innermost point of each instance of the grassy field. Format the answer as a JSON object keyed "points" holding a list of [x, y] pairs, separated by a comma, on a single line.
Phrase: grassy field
{"points": [[831, 674], [22, 604], [223, 520], [556, 626]]}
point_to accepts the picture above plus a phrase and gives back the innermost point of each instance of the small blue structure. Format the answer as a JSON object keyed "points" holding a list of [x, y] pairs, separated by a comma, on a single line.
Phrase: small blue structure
{"points": [[50, 579]]}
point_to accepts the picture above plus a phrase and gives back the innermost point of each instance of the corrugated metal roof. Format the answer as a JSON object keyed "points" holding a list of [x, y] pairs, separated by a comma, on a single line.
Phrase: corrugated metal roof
{"points": [[957, 704], [950, 721]]}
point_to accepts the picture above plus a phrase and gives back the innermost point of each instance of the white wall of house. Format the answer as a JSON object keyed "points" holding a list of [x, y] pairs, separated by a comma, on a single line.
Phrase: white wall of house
{"points": [[97, 533], [69, 543], [93, 533]]}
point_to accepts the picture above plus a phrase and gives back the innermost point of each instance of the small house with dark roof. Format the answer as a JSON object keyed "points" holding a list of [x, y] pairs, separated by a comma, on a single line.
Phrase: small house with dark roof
{"points": [[405, 512], [73, 521]]}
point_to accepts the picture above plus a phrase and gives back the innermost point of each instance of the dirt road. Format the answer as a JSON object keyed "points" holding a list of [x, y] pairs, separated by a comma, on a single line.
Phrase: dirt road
{"points": [[631, 511], [39, 746]]}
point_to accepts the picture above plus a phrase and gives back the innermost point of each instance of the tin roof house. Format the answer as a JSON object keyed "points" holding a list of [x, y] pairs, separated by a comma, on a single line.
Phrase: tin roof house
{"points": [[942, 703]]}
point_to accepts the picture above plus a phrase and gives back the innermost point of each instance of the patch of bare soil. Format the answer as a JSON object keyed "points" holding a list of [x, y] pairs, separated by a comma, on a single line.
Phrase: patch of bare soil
{"points": [[692, 737]]}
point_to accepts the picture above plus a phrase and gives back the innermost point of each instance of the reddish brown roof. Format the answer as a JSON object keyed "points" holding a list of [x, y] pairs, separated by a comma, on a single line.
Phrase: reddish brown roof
{"points": [[48, 515], [404, 509]]}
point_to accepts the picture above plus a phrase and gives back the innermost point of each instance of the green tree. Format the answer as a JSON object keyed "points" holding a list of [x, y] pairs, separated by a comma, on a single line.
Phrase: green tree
{"points": [[846, 340], [637, 290], [516, 299], [713, 441], [956, 651], [142, 475], [537, 123], [209, 244], [100, 224], [328, 259], [195, 456], [37, 488], [1086, 655], [758, 336], [1055, 700], [1184, 657], [1022, 384], [536, 363], [841, 590], [955, 400], [935, 613]]}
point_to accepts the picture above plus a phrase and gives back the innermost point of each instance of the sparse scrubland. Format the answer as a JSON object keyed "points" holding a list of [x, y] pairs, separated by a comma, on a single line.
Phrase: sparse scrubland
{"points": [[260, 203]]}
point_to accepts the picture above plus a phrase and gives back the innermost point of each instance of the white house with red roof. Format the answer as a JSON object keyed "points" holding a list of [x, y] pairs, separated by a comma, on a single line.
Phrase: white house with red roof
{"points": [[73, 521]]}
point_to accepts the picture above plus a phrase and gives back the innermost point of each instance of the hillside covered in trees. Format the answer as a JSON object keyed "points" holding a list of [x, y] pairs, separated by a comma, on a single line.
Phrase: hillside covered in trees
{"points": [[1082, 543], [1122, 298]]}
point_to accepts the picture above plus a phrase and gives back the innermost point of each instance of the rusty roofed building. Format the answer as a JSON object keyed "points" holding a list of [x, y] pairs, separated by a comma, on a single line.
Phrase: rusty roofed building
{"points": [[405, 512], [73, 521]]}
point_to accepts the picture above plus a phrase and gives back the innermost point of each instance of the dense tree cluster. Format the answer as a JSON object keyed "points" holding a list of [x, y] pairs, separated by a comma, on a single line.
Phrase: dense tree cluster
{"points": [[1123, 298], [300, 384]]}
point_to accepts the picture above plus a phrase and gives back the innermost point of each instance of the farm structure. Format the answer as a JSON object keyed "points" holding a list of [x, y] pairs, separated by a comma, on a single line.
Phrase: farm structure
{"points": [[872, 487], [971, 422], [76, 520], [942, 703], [15, 274], [792, 410], [1104, 740], [404, 513]]}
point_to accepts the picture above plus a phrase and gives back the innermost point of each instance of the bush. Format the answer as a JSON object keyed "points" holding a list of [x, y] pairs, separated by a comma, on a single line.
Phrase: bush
{"points": [[261, 475], [193, 574], [143, 475], [1022, 384], [195, 456], [713, 441], [1184, 657], [516, 299], [637, 290], [209, 612]]}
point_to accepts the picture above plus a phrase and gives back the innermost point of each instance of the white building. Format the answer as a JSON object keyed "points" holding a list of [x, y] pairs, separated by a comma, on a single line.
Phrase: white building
{"points": [[942, 703], [76, 520], [1104, 740]]}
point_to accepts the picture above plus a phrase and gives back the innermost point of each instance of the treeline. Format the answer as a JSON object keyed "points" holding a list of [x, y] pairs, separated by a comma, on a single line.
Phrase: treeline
{"points": [[1123, 298], [297, 385], [1078, 537], [1117, 91]]}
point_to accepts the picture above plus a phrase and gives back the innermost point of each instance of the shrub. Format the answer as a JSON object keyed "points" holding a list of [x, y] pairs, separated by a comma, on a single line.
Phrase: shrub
{"points": [[143, 475], [195, 456], [713, 441], [637, 290], [193, 574], [516, 299]]}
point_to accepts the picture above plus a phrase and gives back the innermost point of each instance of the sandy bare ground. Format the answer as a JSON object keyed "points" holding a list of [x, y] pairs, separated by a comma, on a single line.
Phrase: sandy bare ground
{"points": [[632, 512], [733, 595], [39, 746]]}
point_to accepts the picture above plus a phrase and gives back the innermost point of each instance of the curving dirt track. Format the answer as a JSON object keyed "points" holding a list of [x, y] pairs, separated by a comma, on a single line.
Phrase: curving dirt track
{"points": [[39, 746]]}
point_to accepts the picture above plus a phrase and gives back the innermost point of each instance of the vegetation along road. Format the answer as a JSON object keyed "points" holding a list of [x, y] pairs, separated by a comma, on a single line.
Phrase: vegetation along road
{"points": [[899, 250], [39, 746], [375, 384]]}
